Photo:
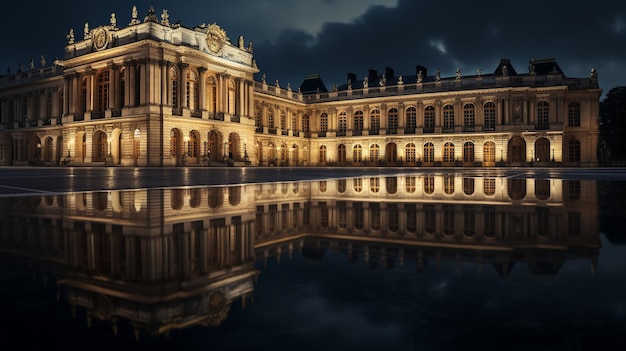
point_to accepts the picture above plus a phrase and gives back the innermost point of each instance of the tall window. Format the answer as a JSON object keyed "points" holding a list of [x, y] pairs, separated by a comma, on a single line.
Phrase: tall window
{"points": [[211, 95], [448, 153], [358, 123], [448, 185], [489, 186], [294, 124], [283, 120], [174, 85], [573, 115], [469, 118], [489, 153], [103, 79], [341, 153], [257, 116], [490, 116], [357, 153], [343, 124], [429, 185], [410, 184], [357, 184], [574, 150], [374, 122], [448, 219], [270, 118], [374, 185], [305, 124], [324, 123], [468, 152], [392, 121], [429, 120], [448, 118], [410, 152], [374, 152], [429, 153], [192, 99], [543, 115], [322, 154], [411, 120]]}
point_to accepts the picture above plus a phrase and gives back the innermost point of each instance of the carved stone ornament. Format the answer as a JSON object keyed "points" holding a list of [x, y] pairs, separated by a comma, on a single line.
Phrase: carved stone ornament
{"points": [[100, 38], [215, 38]]}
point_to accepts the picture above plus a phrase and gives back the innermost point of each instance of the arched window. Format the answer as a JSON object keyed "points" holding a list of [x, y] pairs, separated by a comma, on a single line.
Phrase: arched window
{"points": [[542, 189], [231, 97], [542, 150], [103, 80], [448, 119], [392, 121], [468, 152], [357, 184], [429, 119], [374, 122], [322, 154], [192, 100], [574, 151], [469, 118], [517, 149], [343, 124], [429, 185], [489, 153], [448, 219], [429, 153], [543, 115], [468, 186], [448, 154], [270, 118], [283, 121], [374, 185], [490, 117], [448, 184], [305, 124], [341, 153], [323, 124], [357, 128], [211, 96], [489, 186], [573, 114], [410, 152], [411, 120], [410, 184], [374, 152], [357, 153], [391, 183], [99, 146]]}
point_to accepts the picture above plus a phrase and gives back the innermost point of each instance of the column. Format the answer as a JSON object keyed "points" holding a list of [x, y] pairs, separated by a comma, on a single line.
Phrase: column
{"points": [[202, 89]]}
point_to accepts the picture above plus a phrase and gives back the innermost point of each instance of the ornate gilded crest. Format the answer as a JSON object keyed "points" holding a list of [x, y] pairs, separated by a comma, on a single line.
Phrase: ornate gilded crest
{"points": [[100, 38], [215, 38]]}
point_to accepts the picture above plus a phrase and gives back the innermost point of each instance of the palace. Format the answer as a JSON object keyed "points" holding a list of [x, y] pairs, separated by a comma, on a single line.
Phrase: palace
{"points": [[155, 93]]}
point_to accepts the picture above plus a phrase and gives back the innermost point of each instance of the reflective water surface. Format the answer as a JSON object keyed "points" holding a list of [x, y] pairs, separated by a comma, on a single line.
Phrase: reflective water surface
{"points": [[408, 262]]}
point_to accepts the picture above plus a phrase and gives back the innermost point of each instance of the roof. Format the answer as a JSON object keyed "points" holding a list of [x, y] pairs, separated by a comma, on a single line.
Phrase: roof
{"points": [[313, 84]]}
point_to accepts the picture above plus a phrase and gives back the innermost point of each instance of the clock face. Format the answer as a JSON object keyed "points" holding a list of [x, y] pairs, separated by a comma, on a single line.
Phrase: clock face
{"points": [[100, 38]]}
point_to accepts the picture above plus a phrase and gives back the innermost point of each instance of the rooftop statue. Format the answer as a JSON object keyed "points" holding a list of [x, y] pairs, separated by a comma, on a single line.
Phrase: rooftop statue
{"points": [[113, 20], [458, 73], [134, 16], [438, 75], [86, 30], [165, 18], [420, 76]]}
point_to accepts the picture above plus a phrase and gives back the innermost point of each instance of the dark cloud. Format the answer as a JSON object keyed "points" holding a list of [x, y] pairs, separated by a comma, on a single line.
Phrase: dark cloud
{"points": [[332, 38]]}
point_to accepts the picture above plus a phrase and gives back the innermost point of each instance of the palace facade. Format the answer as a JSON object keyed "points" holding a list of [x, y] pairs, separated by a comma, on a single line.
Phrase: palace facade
{"points": [[155, 93]]}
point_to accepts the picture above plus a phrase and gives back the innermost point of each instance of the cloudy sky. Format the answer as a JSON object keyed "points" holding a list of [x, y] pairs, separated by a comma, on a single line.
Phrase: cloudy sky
{"points": [[334, 37]]}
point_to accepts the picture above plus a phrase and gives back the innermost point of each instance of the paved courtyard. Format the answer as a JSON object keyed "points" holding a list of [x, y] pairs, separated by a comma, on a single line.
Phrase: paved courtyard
{"points": [[35, 180]]}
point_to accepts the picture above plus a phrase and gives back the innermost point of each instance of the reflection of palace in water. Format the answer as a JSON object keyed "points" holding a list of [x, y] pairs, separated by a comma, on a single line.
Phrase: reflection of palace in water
{"points": [[170, 258]]}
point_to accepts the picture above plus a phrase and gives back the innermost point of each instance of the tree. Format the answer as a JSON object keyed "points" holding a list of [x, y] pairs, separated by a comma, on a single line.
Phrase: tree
{"points": [[613, 124]]}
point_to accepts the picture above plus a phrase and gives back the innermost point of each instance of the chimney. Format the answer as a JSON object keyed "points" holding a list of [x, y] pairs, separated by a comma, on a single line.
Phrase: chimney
{"points": [[389, 73], [373, 75], [419, 68], [351, 77]]}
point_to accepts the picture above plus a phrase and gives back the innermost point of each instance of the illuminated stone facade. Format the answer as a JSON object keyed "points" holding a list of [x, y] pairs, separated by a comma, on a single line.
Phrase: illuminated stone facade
{"points": [[154, 93]]}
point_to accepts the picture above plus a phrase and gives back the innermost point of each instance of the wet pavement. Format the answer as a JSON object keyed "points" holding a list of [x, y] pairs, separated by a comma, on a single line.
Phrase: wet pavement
{"points": [[33, 180]]}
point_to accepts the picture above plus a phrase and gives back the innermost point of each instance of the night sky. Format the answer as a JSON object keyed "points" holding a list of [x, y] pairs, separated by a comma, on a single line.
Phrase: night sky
{"points": [[334, 37]]}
